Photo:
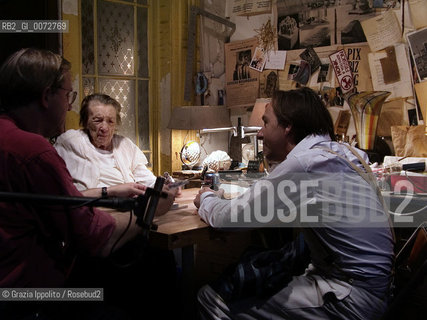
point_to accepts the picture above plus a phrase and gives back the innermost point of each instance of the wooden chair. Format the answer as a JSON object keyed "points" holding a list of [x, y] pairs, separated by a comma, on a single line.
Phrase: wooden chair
{"points": [[410, 291]]}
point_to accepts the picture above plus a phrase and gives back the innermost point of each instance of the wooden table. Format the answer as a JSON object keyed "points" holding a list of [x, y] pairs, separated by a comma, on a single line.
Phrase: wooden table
{"points": [[182, 228]]}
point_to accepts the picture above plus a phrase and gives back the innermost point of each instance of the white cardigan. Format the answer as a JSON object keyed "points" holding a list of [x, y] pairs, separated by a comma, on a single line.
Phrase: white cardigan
{"points": [[85, 163]]}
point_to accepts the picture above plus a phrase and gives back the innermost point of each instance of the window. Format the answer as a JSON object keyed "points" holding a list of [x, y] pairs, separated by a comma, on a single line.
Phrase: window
{"points": [[115, 61]]}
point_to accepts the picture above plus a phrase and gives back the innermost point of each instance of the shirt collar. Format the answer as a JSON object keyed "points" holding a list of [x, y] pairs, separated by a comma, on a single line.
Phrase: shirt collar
{"points": [[308, 142]]}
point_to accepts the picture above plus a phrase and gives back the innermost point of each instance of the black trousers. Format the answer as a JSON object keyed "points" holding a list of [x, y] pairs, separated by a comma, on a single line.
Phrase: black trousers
{"points": [[138, 281]]}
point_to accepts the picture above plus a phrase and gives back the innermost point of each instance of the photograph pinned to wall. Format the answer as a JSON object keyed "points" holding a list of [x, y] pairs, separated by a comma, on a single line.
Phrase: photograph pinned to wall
{"points": [[386, 4], [310, 56], [349, 18], [418, 45], [293, 70], [315, 27], [331, 96], [258, 60], [324, 75], [288, 32], [342, 123], [301, 24], [304, 73]]}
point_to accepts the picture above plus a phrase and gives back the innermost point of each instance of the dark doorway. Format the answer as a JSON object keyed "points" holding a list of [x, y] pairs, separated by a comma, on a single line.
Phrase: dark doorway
{"points": [[28, 10]]}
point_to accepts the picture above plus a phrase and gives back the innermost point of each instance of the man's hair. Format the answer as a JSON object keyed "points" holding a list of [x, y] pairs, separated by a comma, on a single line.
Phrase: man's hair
{"points": [[26, 73], [101, 99], [304, 111]]}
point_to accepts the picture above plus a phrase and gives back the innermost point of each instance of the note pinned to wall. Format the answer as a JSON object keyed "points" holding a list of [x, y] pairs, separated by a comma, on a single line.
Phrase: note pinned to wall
{"points": [[276, 60], [421, 91], [390, 71], [251, 7], [418, 10], [382, 31]]}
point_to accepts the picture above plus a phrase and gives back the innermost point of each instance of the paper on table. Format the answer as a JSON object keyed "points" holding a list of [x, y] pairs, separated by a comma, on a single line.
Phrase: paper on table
{"points": [[382, 31], [401, 86]]}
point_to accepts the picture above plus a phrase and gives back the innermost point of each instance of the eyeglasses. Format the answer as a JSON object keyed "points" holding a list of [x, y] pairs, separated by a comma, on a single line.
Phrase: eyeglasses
{"points": [[71, 95]]}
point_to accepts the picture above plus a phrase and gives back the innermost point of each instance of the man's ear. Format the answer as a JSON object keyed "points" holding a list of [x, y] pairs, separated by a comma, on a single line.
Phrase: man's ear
{"points": [[288, 129], [45, 97]]}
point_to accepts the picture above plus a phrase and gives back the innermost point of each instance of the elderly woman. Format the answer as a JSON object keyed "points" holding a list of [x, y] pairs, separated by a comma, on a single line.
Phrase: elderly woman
{"points": [[97, 157]]}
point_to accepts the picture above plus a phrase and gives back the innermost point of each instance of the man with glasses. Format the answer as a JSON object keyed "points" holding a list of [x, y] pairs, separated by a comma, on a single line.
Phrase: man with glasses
{"points": [[71, 95], [38, 242]]}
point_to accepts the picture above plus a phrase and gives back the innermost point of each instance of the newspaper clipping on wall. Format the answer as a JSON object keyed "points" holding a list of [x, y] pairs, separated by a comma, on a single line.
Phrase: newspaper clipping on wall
{"points": [[242, 82]]}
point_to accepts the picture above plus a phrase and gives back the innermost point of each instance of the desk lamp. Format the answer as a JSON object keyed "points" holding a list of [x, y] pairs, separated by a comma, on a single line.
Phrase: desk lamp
{"points": [[202, 118]]}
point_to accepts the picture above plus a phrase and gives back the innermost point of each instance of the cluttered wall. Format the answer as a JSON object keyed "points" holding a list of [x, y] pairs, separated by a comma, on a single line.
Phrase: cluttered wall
{"points": [[338, 48]]}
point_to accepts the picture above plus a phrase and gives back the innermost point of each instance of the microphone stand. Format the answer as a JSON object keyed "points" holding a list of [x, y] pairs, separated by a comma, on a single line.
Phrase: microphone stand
{"points": [[144, 206]]}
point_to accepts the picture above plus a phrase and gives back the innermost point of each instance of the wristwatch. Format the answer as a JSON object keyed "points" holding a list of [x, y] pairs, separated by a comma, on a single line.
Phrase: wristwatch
{"points": [[104, 193]]}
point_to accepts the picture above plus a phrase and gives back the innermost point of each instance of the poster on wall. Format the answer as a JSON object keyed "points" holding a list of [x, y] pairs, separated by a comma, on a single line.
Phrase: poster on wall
{"points": [[301, 24], [418, 44], [242, 82]]}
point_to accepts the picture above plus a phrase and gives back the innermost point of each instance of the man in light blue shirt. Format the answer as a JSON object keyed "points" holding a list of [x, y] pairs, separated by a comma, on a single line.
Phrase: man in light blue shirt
{"points": [[322, 187]]}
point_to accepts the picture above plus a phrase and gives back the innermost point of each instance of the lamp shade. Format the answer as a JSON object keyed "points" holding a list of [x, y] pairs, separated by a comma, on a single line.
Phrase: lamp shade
{"points": [[199, 117], [258, 111]]}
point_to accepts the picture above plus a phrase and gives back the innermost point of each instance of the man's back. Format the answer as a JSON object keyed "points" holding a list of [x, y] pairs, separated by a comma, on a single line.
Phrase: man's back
{"points": [[35, 239]]}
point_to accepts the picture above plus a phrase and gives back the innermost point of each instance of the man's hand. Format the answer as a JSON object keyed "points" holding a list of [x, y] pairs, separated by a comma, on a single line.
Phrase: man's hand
{"points": [[196, 200]]}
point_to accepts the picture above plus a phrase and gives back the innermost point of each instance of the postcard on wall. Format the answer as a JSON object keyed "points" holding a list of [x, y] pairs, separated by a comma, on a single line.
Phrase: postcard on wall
{"points": [[242, 82], [390, 71], [382, 31], [258, 60], [312, 58], [418, 44], [342, 70], [276, 60]]}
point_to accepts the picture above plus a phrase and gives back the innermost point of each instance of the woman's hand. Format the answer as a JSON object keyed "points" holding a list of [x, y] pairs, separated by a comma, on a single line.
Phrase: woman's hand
{"points": [[165, 203], [130, 189]]}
